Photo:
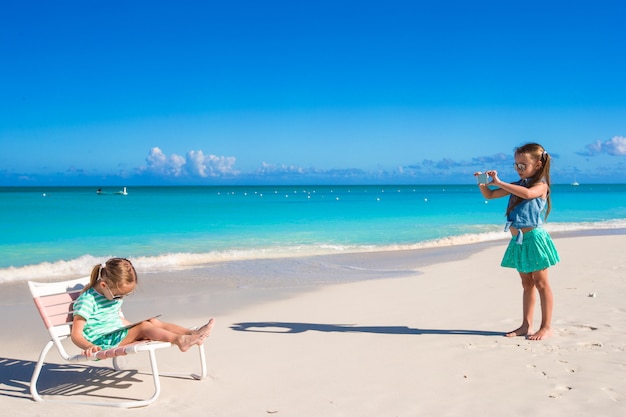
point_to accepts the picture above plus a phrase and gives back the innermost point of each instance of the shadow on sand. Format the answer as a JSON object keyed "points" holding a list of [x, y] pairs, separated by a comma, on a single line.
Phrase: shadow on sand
{"points": [[64, 380], [290, 328]]}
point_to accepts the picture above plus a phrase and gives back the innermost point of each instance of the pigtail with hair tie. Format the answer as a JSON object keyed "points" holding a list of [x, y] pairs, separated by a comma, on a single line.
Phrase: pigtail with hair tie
{"points": [[102, 266]]}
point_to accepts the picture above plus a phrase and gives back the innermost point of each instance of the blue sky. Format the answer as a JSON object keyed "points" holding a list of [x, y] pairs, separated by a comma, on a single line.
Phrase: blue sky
{"points": [[274, 92]]}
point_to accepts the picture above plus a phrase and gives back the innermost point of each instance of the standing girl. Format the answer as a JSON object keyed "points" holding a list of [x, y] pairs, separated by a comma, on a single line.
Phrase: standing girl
{"points": [[98, 320], [531, 250]]}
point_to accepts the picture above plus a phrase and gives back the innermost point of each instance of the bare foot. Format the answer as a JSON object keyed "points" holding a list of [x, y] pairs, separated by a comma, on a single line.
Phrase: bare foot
{"points": [[185, 342], [543, 333], [205, 330], [521, 331]]}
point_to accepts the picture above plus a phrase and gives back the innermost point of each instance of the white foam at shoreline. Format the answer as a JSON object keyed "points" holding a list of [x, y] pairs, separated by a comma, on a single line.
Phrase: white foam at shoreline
{"points": [[177, 261]]}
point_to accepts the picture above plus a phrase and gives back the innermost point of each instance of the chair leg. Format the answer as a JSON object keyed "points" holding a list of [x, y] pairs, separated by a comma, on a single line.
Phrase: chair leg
{"points": [[116, 363], [155, 378], [119, 364], [203, 371], [157, 388], [126, 404], [37, 371], [203, 368]]}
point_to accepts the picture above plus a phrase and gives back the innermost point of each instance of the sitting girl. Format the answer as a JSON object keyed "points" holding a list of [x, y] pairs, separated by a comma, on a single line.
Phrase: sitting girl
{"points": [[98, 322]]}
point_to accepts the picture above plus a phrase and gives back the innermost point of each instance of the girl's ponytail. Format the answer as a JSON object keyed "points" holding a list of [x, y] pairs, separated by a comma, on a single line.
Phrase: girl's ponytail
{"points": [[93, 278], [544, 175]]}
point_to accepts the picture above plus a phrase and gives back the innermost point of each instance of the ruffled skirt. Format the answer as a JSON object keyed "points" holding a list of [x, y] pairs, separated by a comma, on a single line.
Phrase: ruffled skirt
{"points": [[536, 252]]}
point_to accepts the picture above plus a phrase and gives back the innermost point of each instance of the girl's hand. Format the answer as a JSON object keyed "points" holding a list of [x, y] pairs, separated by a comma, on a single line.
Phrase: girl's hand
{"points": [[91, 350], [494, 176]]}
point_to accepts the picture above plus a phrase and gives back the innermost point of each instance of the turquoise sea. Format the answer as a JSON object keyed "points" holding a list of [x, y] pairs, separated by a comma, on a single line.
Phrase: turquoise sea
{"points": [[61, 231]]}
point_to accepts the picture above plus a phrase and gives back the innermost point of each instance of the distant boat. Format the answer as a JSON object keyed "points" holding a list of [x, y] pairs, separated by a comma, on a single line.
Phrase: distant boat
{"points": [[123, 192], [575, 183]]}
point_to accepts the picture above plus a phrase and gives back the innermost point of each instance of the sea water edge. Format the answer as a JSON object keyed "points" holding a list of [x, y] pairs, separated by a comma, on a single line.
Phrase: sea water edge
{"points": [[177, 228]]}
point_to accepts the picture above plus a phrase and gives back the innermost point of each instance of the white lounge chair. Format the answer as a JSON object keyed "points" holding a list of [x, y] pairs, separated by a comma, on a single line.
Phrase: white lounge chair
{"points": [[55, 304]]}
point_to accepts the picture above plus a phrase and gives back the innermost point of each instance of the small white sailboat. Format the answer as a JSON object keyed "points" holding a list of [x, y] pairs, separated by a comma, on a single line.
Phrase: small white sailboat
{"points": [[123, 192]]}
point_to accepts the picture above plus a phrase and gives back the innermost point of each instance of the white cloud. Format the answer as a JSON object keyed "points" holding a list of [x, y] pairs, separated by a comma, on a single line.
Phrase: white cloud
{"points": [[195, 164], [273, 169], [160, 164], [156, 157], [176, 165], [204, 166], [615, 146]]}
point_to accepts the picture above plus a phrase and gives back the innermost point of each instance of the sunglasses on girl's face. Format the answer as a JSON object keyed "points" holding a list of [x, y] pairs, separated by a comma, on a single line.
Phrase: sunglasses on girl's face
{"points": [[115, 296], [519, 167]]}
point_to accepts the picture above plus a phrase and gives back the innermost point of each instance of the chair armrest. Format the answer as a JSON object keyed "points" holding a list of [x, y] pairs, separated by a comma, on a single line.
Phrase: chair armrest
{"points": [[142, 346]]}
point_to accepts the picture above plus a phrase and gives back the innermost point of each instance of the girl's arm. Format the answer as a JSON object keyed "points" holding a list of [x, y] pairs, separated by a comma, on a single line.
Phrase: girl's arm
{"points": [[489, 193], [539, 189], [78, 338]]}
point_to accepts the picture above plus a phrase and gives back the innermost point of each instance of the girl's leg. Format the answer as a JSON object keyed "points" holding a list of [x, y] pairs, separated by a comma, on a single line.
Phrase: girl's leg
{"points": [[171, 327], [528, 306], [547, 302], [168, 332]]}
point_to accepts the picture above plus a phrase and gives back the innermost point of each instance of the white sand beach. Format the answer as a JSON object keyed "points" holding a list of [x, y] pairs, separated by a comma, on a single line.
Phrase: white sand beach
{"points": [[412, 340]]}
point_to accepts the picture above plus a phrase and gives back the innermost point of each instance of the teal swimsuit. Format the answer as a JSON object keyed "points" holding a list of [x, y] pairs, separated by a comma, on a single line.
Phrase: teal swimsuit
{"points": [[103, 319]]}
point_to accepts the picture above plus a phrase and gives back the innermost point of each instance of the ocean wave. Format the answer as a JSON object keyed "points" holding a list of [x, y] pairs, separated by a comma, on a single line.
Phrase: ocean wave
{"points": [[82, 265]]}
